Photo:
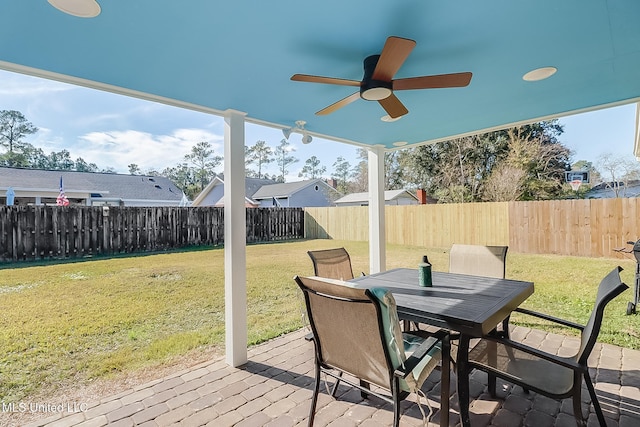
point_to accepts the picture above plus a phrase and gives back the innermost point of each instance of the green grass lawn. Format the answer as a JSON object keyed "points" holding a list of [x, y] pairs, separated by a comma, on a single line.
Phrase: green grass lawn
{"points": [[71, 323]]}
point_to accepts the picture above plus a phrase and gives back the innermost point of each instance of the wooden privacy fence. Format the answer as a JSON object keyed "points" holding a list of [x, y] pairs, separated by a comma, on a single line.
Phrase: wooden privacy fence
{"points": [[591, 228], [29, 233]]}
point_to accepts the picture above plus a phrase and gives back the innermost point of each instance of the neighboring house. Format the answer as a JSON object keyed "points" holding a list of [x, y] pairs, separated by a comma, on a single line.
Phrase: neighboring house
{"points": [[605, 190], [41, 187], [268, 193], [213, 194], [391, 197], [301, 194]]}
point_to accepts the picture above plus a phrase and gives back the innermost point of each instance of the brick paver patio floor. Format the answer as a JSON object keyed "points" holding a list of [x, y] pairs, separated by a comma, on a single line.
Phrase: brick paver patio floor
{"points": [[274, 389]]}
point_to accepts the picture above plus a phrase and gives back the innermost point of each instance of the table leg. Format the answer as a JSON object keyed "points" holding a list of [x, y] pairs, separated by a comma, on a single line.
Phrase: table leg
{"points": [[463, 379]]}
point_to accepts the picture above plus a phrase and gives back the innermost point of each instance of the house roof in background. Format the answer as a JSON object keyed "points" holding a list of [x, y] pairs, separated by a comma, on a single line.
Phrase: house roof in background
{"points": [[364, 197], [214, 56], [109, 185], [251, 185], [286, 189]]}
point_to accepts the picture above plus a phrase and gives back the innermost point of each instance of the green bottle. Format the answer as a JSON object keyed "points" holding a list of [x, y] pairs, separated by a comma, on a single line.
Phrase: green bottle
{"points": [[424, 270]]}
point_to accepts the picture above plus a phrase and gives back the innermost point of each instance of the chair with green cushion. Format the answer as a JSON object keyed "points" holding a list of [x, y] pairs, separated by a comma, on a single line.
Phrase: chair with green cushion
{"points": [[357, 332], [549, 374]]}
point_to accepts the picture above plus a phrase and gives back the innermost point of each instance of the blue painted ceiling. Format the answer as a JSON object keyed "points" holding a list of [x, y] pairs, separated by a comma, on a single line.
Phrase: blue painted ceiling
{"points": [[240, 54]]}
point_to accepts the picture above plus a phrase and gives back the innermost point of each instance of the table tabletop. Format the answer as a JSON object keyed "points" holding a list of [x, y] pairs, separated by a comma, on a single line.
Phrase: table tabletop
{"points": [[471, 305]]}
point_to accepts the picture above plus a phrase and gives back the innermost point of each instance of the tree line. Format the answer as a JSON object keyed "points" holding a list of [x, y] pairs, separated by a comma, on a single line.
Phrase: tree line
{"points": [[526, 162]]}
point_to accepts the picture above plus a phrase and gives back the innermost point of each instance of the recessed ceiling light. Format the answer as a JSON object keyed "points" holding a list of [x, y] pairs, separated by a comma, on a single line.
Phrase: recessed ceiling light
{"points": [[388, 118], [400, 143], [539, 74], [80, 8]]}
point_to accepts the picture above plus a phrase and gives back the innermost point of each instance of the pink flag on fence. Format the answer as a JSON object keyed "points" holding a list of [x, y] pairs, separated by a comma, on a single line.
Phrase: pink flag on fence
{"points": [[62, 199]]}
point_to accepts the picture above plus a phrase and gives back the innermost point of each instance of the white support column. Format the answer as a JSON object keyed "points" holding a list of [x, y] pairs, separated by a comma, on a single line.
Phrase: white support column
{"points": [[235, 258], [377, 238]]}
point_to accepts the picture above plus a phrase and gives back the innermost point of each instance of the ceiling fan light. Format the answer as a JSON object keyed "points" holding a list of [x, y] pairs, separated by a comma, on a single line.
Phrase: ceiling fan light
{"points": [[79, 8], [376, 93], [387, 118], [539, 74]]}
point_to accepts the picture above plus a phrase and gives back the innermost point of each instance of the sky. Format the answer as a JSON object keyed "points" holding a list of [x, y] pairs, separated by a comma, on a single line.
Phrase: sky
{"points": [[113, 130]]}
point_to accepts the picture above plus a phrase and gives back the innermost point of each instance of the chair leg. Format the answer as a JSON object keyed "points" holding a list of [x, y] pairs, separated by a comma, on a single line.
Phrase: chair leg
{"points": [[366, 385], [577, 401], [491, 384], [335, 386], [505, 328], [396, 402], [445, 381], [314, 399], [594, 400]]}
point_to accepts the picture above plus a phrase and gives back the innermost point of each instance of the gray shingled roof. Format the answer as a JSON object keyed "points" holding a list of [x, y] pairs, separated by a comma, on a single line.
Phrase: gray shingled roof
{"points": [[283, 189], [127, 187]]}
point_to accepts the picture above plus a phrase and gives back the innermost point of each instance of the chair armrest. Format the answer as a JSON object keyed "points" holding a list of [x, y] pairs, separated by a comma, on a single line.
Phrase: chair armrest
{"points": [[431, 340], [550, 318], [568, 363]]}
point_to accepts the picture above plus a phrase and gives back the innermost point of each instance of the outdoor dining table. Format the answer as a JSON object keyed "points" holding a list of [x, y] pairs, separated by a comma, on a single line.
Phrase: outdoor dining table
{"points": [[470, 305]]}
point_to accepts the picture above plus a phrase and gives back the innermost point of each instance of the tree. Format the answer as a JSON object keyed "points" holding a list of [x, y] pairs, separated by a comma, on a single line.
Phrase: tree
{"points": [[134, 169], [394, 171], [341, 173], [13, 128], [61, 160], [183, 176], [284, 158], [617, 172], [361, 172], [460, 170], [505, 184], [204, 161], [83, 166], [312, 168], [259, 154]]}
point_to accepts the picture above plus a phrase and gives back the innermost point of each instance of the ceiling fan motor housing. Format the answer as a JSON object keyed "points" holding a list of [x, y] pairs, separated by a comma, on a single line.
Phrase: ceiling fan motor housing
{"points": [[373, 90]]}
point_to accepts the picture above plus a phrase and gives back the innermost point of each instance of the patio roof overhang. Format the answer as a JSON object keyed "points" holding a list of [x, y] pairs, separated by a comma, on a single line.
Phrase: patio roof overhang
{"points": [[240, 55], [235, 59]]}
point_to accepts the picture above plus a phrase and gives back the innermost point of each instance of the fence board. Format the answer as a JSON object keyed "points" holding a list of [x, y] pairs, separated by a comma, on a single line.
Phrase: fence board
{"points": [[46, 232], [591, 228]]}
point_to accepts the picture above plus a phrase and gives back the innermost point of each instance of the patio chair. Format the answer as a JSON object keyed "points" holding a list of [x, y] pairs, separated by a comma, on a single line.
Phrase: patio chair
{"points": [[357, 332], [548, 374], [477, 260], [332, 263]]}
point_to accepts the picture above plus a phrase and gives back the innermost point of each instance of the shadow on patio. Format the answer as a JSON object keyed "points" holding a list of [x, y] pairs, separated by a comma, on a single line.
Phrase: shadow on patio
{"points": [[275, 387]]}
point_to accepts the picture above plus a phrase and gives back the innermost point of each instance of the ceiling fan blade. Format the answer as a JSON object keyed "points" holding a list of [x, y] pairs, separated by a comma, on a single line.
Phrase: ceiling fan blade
{"points": [[326, 80], [394, 53], [337, 105], [393, 106], [433, 82]]}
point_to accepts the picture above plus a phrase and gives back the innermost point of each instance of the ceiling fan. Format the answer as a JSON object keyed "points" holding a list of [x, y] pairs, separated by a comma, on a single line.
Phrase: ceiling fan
{"points": [[378, 83]]}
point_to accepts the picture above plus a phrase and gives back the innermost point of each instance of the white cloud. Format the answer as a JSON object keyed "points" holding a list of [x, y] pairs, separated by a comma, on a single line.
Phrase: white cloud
{"points": [[117, 149], [20, 86]]}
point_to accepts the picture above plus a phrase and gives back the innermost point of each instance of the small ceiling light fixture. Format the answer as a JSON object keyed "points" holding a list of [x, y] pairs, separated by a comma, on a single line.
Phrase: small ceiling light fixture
{"points": [[539, 74], [79, 8], [299, 127], [387, 118], [400, 143]]}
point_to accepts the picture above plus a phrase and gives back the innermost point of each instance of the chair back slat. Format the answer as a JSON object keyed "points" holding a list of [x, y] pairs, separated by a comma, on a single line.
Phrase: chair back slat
{"points": [[610, 287], [347, 325], [332, 263], [477, 260]]}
